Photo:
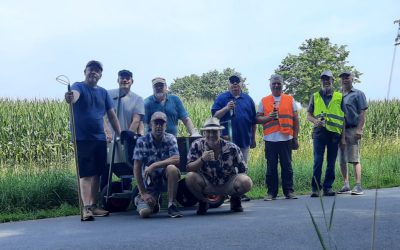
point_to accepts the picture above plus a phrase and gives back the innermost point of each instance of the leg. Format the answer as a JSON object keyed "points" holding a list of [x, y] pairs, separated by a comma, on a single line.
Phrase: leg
{"points": [[173, 175], [196, 185], [271, 177], [357, 172], [319, 151], [285, 157], [87, 185], [332, 150]]}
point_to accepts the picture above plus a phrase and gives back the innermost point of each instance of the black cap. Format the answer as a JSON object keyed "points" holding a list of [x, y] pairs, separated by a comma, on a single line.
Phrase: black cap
{"points": [[346, 73], [94, 63], [235, 78], [125, 72]]}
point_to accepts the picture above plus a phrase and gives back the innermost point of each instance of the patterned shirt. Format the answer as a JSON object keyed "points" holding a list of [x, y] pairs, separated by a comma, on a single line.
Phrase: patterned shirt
{"points": [[148, 152], [229, 163]]}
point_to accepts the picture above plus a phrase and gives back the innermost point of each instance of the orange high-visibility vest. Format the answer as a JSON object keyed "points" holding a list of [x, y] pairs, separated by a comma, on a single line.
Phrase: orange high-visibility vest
{"points": [[284, 124]]}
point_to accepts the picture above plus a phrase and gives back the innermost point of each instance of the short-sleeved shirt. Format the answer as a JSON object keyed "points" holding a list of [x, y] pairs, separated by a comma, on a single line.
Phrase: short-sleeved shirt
{"points": [[354, 102], [147, 151], [89, 110], [130, 105], [173, 108], [230, 161], [243, 119], [321, 132], [276, 136]]}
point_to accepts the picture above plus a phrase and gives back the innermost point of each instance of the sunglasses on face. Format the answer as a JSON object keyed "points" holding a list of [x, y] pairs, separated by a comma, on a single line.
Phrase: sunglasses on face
{"points": [[325, 78]]}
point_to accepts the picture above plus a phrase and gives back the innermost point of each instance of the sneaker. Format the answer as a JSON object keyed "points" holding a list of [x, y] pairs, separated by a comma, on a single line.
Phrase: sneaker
{"points": [[236, 204], [245, 198], [269, 197], [291, 196], [142, 207], [174, 212], [98, 212], [157, 206], [344, 190], [329, 192], [314, 194], [357, 190], [203, 207], [87, 214]]}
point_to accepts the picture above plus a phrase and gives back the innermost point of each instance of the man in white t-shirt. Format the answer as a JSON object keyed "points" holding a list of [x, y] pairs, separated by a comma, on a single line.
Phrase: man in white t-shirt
{"points": [[278, 114]]}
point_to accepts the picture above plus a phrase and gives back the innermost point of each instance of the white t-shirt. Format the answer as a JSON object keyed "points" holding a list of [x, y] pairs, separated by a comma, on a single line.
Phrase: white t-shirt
{"points": [[276, 136]]}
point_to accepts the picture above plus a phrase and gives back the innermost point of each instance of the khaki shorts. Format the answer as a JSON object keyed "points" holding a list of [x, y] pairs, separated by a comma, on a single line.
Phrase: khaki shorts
{"points": [[225, 189], [351, 153]]}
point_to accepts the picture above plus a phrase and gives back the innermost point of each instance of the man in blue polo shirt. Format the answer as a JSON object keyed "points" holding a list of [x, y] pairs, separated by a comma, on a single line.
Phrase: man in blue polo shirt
{"points": [[239, 108], [169, 104]]}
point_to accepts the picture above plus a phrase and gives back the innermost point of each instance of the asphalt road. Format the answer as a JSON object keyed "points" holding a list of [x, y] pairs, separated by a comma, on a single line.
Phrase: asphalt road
{"points": [[279, 224]]}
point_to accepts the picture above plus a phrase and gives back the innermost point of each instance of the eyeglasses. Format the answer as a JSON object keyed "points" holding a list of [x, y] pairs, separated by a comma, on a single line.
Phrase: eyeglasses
{"points": [[276, 83], [325, 77]]}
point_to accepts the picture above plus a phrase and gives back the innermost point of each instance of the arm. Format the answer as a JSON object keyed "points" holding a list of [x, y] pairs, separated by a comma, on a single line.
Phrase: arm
{"points": [[135, 124], [253, 143], [137, 172], [220, 113], [107, 129], [360, 126], [141, 128], [112, 117], [173, 160], [189, 126]]}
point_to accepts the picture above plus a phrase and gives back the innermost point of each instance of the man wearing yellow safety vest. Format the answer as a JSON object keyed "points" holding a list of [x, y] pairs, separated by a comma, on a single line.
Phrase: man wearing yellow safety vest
{"points": [[325, 111], [278, 114]]}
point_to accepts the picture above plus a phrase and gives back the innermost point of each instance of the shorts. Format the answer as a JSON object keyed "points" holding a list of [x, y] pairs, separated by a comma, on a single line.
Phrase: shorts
{"points": [[228, 188], [351, 153], [157, 182], [92, 157]]}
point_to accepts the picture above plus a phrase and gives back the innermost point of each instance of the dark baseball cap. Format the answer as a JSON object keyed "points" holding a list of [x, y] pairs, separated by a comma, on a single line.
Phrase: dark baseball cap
{"points": [[125, 72], [235, 78], [327, 73], [94, 63], [345, 73]]}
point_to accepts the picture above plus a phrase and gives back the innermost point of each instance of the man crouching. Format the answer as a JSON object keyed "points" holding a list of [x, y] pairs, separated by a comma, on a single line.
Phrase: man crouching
{"points": [[216, 167], [156, 156]]}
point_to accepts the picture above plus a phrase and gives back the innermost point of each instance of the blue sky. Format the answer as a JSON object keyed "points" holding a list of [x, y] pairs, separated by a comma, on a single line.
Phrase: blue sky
{"points": [[43, 39]]}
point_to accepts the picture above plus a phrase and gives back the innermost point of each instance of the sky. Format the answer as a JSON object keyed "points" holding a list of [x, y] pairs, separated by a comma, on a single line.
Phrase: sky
{"points": [[45, 38]]}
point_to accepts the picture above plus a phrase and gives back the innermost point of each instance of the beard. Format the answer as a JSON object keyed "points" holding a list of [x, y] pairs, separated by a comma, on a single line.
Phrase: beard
{"points": [[327, 91]]}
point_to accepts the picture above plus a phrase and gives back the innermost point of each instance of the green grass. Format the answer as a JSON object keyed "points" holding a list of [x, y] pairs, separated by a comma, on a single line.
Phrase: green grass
{"points": [[37, 174]]}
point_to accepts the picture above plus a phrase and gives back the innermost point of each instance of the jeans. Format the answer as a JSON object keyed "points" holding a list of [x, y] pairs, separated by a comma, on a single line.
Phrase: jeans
{"points": [[274, 152], [331, 142]]}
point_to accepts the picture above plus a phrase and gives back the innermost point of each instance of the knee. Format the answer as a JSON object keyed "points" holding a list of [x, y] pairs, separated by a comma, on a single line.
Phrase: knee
{"points": [[172, 171], [244, 183], [192, 178]]}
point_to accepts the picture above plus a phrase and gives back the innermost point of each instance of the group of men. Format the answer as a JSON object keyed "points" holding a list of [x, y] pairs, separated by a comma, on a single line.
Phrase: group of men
{"points": [[217, 163]]}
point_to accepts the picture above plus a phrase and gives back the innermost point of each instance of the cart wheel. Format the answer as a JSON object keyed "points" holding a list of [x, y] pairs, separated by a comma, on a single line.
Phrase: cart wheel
{"points": [[184, 196], [114, 204], [215, 201]]}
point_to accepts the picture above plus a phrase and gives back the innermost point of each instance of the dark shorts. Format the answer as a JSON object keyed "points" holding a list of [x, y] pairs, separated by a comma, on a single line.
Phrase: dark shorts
{"points": [[92, 157]]}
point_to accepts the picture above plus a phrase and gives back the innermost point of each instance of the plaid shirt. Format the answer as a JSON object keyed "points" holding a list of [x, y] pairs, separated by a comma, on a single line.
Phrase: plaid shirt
{"points": [[148, 152], [229, 163]]}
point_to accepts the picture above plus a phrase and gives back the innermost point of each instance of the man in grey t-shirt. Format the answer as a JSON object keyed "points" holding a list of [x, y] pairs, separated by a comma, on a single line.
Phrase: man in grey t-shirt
{"points": [[355, 106], [131, 108]]}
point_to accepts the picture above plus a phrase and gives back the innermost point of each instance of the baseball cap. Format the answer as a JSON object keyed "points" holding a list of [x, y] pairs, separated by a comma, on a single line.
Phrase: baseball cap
{"points": [[235, 78], [276, 77], [158, 116], [94, 63], [326, 73], [157, 80], [125, 72], [345, 73]]}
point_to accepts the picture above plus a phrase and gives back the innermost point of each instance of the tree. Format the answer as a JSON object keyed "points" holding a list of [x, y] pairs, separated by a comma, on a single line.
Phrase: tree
{"points": [[207, 86], [302, 72]]}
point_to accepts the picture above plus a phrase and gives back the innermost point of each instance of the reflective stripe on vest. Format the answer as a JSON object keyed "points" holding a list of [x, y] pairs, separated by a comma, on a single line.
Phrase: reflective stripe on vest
{"points": [[334, 116], [284, 124]]}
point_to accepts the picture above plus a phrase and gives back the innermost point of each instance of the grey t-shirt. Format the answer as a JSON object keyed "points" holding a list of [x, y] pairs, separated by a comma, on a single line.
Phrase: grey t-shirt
{"points": [[130, 104], [354, 102]]}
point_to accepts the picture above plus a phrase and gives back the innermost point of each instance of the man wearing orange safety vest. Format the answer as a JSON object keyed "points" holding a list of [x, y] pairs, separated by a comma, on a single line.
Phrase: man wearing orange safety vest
{"points": [[278, 114]]}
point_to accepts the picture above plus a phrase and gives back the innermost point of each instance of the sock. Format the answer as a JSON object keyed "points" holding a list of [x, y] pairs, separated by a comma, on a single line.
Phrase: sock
{"points": [[346, 183], [170, 203]]}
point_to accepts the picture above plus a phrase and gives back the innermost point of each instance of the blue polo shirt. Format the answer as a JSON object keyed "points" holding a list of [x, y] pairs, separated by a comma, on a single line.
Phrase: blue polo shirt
{"points": [[243, 119], [89, 110], [173, 108]]}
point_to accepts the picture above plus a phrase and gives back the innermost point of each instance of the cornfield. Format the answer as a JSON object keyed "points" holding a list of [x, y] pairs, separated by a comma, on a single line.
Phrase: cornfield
{"points": [[37, 131]]}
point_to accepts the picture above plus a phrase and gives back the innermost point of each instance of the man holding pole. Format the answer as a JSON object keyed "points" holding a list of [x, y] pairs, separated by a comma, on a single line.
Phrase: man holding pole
{"points": [[90, 103]]}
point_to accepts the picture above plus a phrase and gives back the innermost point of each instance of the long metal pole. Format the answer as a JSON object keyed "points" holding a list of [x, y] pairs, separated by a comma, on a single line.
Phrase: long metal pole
{"points": [[397, 42]]}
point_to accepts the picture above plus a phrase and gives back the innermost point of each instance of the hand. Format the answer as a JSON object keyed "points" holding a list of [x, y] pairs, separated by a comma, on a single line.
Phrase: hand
{"points": [[208, 155], [195, 133], [69, 96], [253, 143], [318, 123], [273, 115], [342, 144], [230, 105], [148, 170], [109, 137], [148, 198], [295, 143], [358, 134]]}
